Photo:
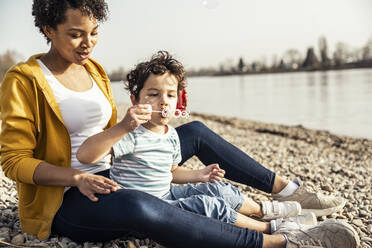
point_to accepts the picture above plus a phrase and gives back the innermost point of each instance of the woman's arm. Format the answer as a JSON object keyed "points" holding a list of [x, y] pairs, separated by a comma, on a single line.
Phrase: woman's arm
{"points": [[99, 145], [18, 143], [88, 184], [212, 173]]}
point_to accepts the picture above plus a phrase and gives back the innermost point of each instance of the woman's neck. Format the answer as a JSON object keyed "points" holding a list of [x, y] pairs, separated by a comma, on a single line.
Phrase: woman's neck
{"points": [[57, 64]]}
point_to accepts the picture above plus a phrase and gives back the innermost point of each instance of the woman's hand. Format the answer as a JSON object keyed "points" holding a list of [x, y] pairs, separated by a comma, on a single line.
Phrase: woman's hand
{"points": [[212, 173], [89, 185], [135, 116]]}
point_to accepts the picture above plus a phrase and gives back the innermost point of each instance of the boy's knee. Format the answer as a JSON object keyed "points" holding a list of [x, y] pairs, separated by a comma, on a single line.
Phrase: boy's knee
{"points": [[223, 189]]}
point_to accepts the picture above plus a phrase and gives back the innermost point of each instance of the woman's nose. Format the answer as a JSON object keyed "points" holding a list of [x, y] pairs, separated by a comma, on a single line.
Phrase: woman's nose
{"points": [[89, 41]]}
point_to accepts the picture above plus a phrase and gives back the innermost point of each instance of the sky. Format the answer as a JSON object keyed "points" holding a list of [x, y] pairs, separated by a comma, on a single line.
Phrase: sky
{"points": [[202, 33]]}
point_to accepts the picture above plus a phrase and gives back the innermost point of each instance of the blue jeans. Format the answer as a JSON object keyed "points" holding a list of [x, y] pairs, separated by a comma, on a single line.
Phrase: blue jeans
{"points": [[218, 200], [133, 212]]}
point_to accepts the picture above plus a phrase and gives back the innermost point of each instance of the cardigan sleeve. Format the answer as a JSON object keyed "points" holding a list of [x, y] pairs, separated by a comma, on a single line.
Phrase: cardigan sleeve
{"points": [[18, 130]]}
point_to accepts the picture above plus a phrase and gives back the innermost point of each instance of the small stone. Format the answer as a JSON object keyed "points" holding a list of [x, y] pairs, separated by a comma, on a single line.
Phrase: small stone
{"points": [[327, 187], [130, 244], [366, 239], [358, 222], [18, 239], [62, 244], [363, 213], [72, 245], [369, 228]]}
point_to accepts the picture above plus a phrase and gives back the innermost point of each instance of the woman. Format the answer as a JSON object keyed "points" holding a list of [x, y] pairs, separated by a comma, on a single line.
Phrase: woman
{"points": [[54, 101]]}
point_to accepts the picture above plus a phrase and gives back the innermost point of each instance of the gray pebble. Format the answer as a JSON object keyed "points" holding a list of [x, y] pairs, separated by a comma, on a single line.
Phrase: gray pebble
{"points": [[18, 239]]}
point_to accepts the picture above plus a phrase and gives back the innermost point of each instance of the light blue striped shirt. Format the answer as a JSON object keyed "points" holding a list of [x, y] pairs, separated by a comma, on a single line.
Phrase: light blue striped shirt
{"points": [[143, 160]]}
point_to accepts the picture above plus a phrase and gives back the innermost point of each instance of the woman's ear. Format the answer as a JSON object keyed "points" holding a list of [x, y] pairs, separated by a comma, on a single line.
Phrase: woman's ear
{"points": [[133, 99]]}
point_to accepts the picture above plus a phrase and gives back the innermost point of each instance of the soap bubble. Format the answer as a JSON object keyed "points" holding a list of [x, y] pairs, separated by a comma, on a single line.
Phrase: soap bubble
{"points": [[210, 4]]}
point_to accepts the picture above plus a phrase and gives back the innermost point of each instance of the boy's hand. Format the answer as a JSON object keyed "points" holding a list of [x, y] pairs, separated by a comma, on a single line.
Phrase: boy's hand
{"points": [[135, 116], [212, 173]]}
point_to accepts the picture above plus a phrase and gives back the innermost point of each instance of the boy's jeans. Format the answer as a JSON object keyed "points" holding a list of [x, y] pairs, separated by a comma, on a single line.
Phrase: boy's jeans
{"points": [[219, 200]]}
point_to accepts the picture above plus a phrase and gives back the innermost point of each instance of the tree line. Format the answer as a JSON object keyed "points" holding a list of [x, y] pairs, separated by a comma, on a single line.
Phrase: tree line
{"points": [[343, 57]]}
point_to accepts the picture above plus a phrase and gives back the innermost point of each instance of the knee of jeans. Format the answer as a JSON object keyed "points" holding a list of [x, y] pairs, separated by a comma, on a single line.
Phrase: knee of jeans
{"points": [[200, 130], [228, 189], [139, 207], [197, 124], [214, 207], [197, 127]]}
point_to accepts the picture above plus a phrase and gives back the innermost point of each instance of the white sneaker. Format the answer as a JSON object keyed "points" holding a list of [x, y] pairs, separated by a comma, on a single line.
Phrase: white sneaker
{"points": [[275, 210], [308, 219]]}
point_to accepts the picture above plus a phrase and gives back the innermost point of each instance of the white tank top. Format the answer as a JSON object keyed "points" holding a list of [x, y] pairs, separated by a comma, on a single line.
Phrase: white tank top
{"points": [[84, 114]]}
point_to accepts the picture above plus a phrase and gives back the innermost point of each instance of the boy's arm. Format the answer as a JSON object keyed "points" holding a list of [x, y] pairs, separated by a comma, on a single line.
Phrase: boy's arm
{"points": [[183, 175], [99, 145], [211, 173]]}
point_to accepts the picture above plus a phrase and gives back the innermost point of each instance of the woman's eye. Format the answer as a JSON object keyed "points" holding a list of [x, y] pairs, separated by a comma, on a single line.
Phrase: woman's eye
{"points": [[171, 96], [94, 34], [75, 35], [153, 94]]}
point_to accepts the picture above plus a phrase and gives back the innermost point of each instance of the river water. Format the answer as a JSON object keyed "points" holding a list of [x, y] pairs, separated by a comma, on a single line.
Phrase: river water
{"points": [[338, 101]]}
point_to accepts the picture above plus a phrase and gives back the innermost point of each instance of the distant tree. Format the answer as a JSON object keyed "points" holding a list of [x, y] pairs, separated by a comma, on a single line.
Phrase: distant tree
{"points": [[311, 60], [274, 62], [367, 50], [118, 75], [241, 65], [292, 58], [341, 53], [323, 51], [228, 65], [7, 60], [254, 66], [282, 65], [222, 68]]}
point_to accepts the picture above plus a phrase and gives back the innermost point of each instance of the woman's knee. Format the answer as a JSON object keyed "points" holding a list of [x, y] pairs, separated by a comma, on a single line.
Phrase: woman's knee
{"points": [[196, 127], [138, 207]]}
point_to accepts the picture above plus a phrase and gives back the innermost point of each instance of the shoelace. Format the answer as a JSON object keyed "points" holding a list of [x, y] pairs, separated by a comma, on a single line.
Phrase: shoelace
{"points": [[312, 243], [309, 244]]}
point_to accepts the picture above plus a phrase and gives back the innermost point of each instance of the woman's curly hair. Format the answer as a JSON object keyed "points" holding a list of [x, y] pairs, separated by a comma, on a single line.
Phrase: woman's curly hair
{"points": [[159, 64], [53, 12]]}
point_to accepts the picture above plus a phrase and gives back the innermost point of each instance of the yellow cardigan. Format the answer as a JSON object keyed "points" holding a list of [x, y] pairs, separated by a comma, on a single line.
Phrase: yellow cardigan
{"points": [[33, 131]]}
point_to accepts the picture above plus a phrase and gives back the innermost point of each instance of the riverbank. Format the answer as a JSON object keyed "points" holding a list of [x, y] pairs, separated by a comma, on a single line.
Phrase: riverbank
{"points": [[328, 163]]}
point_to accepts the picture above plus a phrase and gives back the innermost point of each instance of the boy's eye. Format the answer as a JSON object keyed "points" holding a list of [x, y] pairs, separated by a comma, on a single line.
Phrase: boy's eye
{"points": [[153, 94], [94, 33]]}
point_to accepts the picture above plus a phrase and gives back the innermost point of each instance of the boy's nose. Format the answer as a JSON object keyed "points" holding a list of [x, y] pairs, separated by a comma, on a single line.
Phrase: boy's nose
{"points": [[164, 101]]}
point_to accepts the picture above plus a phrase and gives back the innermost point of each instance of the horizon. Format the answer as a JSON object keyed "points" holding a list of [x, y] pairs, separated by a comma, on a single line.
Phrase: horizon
{"points": [[219, 31]]}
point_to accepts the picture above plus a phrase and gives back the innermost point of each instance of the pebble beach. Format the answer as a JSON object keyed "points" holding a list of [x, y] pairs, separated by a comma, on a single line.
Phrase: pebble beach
{"points": [[327, 163]]}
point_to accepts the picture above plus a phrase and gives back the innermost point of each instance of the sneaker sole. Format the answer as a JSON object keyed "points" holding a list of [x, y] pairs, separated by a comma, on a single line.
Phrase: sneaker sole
{"points": [[324, 212]]}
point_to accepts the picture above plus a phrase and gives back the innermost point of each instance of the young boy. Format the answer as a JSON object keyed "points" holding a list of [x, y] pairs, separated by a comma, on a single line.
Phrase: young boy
{"points": [[146, 154]]}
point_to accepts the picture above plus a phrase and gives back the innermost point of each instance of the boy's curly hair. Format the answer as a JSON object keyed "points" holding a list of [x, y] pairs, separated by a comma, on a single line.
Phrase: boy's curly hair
{"points": [[159, 64], [53, 12]]}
